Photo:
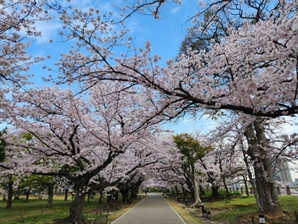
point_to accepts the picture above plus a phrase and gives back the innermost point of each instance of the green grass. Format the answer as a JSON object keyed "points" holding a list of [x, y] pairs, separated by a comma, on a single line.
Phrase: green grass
{"points": [[289, 203], [36, 211], [231, 210]]}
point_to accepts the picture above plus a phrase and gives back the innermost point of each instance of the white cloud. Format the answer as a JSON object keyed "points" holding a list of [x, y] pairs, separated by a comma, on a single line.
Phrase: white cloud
{"points": [[175, 10], [49, 30], [190, 125]]}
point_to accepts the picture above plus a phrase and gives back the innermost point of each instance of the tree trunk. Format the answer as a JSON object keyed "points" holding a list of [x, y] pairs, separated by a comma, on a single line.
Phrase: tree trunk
{"points": [[134, 193], [10, 194], [184, 192], [224, 182], [76, 209], [249, 133], [27, 193], [124, 193], [246, 187], [192, 192], [50, 194], [195, 187], [268, 203], [176, 190], [116, 195], [215, 191], [66, 194], [100, 200], [226, 187]]}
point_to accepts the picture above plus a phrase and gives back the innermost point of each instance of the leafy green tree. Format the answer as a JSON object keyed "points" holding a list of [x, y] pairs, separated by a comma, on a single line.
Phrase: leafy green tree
{"points": [[191, 151], [39, 183]]}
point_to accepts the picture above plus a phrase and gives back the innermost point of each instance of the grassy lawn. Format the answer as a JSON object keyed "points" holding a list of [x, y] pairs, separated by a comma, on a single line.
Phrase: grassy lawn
{"points": [[231, 211], [36, 211]]}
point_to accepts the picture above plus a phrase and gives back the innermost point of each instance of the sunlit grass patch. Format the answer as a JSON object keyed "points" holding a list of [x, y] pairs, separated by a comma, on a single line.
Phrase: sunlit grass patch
{"points": [[231, 211]]}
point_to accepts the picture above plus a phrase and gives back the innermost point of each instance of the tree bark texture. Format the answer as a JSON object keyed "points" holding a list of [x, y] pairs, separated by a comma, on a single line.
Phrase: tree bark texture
{"points": [[215, 191], [195, 187], [10, 194], [268, 201], [76, 208], [50, 194]]}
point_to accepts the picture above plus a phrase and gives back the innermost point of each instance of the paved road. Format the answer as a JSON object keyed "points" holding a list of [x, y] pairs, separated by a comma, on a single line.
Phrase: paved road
{"points": [[152, 210]]}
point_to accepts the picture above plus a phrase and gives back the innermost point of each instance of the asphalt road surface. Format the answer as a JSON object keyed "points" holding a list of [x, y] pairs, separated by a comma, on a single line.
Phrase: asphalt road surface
{"points": [[152, 210]]}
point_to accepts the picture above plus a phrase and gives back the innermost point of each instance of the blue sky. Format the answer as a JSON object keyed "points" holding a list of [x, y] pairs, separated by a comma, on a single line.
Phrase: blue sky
{"points": [[165, 34]]}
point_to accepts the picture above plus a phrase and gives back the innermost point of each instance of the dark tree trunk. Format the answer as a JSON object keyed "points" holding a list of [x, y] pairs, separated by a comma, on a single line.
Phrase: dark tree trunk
{"points": [[268, 198], [116, 195], [66, 194], [50, 195], [226, 187], [268, 201], [134, 193], [100, 200], [246, 187], [76, 209], [10, 194], [192, 192], [27, 193], [124, 193], [110, 198], [176, 190], [215, 191], [184, 192]]}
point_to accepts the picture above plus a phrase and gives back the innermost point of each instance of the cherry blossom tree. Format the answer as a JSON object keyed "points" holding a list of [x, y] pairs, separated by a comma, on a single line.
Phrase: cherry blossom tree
{"points": [[245, 50], [172, 176], [77, 138], [128, 171], [18, 30], [248, 66], [264, 146], [18, 20]]}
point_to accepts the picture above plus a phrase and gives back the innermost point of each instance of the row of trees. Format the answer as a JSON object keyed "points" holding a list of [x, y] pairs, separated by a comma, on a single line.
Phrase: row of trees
{"points": [[240, 58], [93, 143], [197, 166]]}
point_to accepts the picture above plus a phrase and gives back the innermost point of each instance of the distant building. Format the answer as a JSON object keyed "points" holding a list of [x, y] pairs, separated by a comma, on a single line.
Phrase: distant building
{"points": [[283, 174]]}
